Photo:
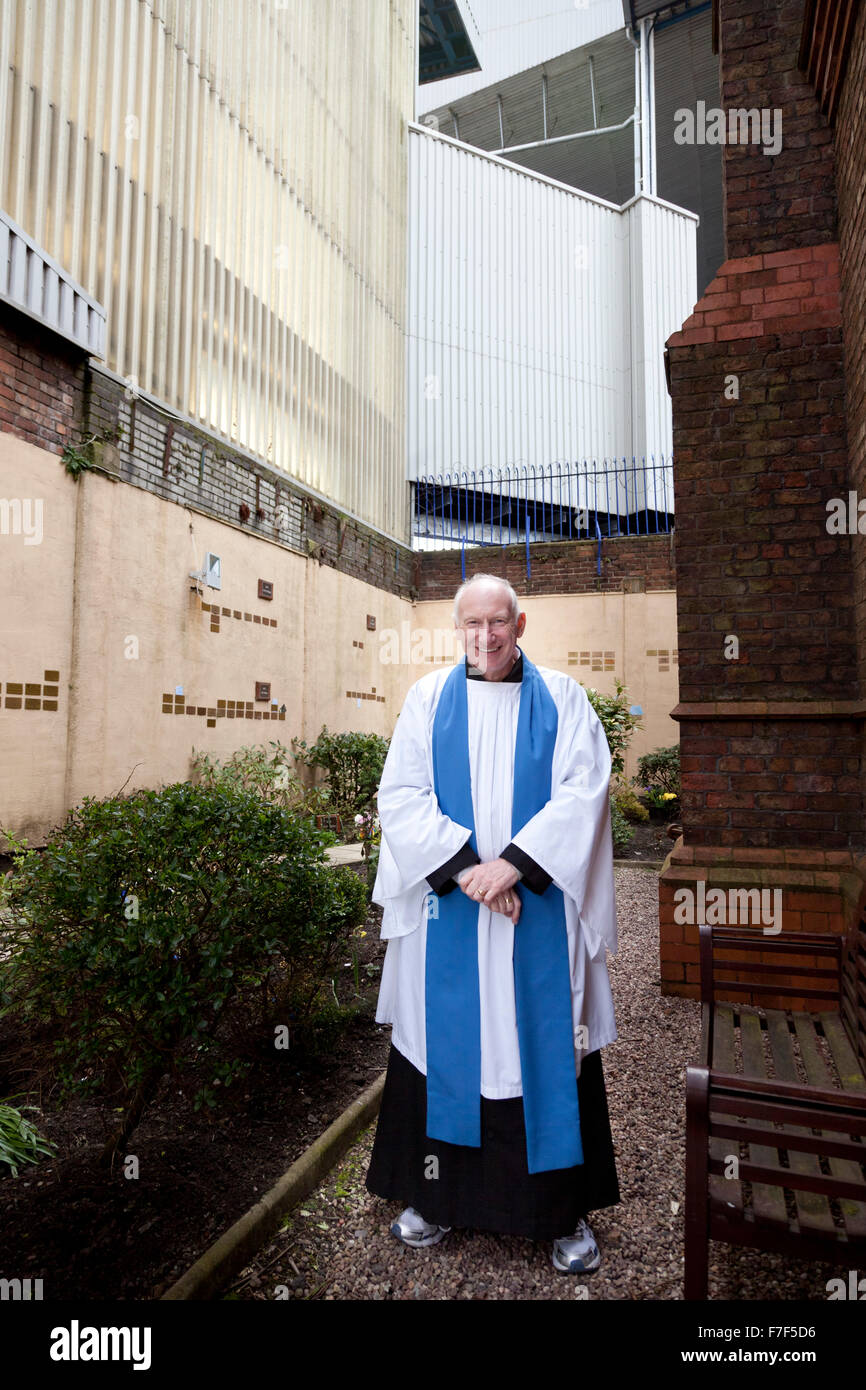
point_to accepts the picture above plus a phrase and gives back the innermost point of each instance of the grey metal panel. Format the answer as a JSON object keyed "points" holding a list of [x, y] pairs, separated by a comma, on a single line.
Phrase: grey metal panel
{"points": [[34, 283]]}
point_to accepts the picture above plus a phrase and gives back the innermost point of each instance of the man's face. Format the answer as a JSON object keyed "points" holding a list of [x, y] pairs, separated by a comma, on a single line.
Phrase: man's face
{"points": [[487, 630]]}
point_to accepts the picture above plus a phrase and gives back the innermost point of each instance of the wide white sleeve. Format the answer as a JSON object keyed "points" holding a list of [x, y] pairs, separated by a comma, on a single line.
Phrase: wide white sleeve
{"points": [[570, 837], [417, 838]]}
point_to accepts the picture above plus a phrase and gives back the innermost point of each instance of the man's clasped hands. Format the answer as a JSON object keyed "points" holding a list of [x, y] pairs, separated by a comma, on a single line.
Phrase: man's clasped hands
{"points": [[493, 884]]}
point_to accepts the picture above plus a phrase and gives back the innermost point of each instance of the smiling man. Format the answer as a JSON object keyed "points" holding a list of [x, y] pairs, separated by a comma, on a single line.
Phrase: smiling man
{"points": [[496, 882]]}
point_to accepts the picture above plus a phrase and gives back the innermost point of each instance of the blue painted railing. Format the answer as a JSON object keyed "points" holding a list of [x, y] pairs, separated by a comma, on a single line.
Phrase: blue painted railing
{"points": [[523, 504]]}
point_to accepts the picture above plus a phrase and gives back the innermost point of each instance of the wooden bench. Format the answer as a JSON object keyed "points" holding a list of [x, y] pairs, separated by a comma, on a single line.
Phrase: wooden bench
{"points": [[782, 1090]]}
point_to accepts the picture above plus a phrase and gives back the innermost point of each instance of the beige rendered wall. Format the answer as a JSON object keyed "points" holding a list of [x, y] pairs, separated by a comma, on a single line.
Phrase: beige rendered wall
{"points": [[101, 622], [112, 566]]}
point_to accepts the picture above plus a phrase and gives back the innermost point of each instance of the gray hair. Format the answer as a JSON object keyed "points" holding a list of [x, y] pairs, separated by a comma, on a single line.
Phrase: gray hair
{"points": [[489, 579]]}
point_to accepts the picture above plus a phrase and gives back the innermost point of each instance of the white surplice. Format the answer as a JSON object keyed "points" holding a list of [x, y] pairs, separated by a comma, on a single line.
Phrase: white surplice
{"points": [[569, 838]]}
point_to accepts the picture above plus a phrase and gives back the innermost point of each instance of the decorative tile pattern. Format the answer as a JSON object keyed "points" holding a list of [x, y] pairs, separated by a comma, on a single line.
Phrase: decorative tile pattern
{"points": [[224, 709], [365, 695], [33, 694], [216, 612], [596, 661], [666, 657]]}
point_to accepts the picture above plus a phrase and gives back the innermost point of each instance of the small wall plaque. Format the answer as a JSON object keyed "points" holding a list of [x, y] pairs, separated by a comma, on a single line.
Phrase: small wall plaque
{"points": [[371, 623], [266, 588], [263, 690]]}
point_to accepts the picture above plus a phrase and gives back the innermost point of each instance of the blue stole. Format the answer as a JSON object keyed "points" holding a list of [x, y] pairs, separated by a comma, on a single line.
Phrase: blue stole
{"points": [[542, 985]]}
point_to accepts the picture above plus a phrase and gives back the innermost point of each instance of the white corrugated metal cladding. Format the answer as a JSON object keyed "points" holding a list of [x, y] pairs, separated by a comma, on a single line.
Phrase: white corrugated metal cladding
{"points": [[229, 181], [537, 314]]}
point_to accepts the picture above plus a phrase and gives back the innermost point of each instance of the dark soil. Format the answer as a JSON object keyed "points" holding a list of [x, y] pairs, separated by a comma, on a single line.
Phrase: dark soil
{"points": [[91, 1234], [650, 842]]}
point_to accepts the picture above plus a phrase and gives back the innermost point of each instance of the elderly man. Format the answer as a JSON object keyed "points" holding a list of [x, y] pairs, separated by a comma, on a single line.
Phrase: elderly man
{"points": [[494, 1114]]}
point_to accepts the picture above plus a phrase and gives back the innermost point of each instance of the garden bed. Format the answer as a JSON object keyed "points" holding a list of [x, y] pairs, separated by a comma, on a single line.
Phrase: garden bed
{"points": [[91, 1234], [650, 842]]}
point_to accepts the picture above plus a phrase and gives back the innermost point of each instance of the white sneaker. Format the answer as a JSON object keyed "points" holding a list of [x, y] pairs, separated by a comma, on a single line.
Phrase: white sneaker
{"points": [[577, 1254], [411, 1228]]}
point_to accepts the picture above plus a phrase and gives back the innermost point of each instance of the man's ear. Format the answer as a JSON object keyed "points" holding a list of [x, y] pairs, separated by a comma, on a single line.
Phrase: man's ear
{"points": [[521, 624]]}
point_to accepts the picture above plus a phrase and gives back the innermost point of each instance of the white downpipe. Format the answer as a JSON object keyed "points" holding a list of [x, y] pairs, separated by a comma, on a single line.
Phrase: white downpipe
{"points": [[644, 123], [651, 94]]}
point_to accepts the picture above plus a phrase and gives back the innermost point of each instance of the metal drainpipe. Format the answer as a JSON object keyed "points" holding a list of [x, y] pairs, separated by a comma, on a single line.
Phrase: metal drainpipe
{"points": [[651, 95], [644, 112], [638, 113]]}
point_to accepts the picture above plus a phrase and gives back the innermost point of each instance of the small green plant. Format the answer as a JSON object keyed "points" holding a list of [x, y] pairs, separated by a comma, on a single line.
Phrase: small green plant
{"points": [[20, 1141], [660, 771], [353, 763], [78, 459], [617, 721], [621, 831], [372, 865], [626, 800]]}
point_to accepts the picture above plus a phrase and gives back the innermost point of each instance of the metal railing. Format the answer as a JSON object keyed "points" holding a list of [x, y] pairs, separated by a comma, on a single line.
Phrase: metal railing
{"points": [[525, 504]]}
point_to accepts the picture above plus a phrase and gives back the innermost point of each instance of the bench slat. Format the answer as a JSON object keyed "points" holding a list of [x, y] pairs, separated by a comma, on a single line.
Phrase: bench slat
{"points": [[813, 1210], [726, 1190], [769, 1202], [843, 1053], [818, 1074]]}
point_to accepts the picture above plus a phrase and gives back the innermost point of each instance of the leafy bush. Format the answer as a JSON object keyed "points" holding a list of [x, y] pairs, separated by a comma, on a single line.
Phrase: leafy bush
{"points": [[271, 775], [618, 724], [627, 802], [621, 831], [353, 763], [19, 1141], [147, 915], [660, 770], [253, 769]]}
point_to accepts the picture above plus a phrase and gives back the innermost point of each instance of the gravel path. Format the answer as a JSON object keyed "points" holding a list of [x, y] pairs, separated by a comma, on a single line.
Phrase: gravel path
{"points": [[337, 1245]]}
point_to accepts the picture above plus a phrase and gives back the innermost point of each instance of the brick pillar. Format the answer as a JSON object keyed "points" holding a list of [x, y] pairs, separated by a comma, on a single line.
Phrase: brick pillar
{"points": [[771, 708]]}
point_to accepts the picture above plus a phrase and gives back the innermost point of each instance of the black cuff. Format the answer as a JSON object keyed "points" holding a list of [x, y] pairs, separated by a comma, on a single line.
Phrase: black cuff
{"points": [[537, 880], [442, 880]]}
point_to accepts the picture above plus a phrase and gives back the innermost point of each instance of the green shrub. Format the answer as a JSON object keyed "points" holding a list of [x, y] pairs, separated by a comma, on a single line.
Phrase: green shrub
{"points": [[660, 770], [353, 763], [618, 724], [626, 800], [270, 775], [19, 1141], [147, 915], [621, 831]]}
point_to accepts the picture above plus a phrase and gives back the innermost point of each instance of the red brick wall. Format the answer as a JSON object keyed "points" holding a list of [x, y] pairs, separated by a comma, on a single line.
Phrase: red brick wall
{"points": [[41, 383], [773, 203], [851, 178], [752, 477], [771, 782], [558, 567], [772, 742]]}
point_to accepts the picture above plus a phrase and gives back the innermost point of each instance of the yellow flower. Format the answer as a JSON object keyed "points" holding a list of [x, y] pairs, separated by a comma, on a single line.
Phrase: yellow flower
{"points": [[669, 796]]}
